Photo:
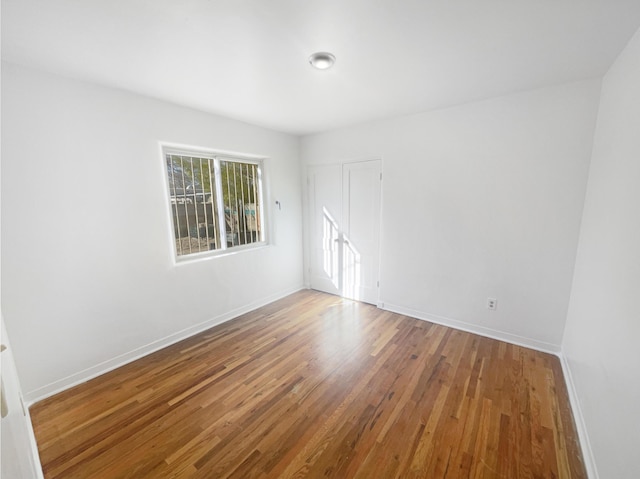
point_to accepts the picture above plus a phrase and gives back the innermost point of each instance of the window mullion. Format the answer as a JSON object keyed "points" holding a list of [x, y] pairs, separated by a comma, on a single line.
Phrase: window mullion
{"points": [[173, 197], [259, 206], [219, 198]]}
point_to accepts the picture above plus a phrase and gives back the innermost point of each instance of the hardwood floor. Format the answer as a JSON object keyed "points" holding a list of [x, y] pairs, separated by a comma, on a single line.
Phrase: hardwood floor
{"points": [[316, 386]]}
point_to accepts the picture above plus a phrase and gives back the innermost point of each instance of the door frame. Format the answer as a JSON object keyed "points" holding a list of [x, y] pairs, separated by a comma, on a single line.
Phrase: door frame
{"points": [[308, 217]]}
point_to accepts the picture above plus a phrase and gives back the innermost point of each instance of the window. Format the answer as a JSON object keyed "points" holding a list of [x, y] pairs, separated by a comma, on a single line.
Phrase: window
{"points": [[216, 201]]}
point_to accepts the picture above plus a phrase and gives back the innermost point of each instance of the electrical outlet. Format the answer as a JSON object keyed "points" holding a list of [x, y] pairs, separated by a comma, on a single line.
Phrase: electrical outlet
{"points": [[492, 304]]}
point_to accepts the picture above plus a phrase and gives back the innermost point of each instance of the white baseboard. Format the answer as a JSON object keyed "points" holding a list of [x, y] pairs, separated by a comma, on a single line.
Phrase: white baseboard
{"points": [[583, 436], [475, 329], [33, 448], [118, 361]]}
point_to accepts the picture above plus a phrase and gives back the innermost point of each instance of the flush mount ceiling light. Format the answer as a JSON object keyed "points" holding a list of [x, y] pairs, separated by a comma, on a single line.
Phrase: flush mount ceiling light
{"points": [[322, 60]]}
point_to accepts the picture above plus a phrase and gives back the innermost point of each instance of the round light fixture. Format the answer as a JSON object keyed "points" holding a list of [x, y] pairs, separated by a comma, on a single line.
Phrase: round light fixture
{"points": [[322, 60]]}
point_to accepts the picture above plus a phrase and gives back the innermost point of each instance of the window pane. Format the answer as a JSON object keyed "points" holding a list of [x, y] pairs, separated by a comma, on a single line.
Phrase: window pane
{"points": [[193, 206], [242, 203]]}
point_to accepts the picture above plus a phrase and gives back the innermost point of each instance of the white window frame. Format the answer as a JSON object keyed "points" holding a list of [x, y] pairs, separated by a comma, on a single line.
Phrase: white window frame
{"points": [[217, 156]]}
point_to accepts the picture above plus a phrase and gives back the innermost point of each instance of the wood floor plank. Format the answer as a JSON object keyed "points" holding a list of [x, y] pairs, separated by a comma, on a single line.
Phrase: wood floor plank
{"points": [[317, 386]]}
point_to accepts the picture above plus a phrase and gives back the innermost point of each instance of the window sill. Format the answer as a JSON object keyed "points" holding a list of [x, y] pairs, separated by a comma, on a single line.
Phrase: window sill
{"points": [[208, 255]]}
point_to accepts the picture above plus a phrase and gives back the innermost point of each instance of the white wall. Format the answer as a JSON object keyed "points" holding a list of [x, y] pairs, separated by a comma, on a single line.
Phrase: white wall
{"points": [[603, 325], [481, 200], [86, 251]]}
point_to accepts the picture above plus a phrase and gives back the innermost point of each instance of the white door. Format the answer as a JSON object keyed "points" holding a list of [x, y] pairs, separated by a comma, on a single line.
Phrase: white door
{"points": [[345, 229], [18, 452], [325, 194]]}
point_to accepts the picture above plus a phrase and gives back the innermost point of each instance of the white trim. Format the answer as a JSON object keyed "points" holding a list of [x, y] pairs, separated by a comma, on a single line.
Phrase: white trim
{"points": [[189, 150], [475, 329], [347, 160], [207, 255], [26, 462], [85, 375], [33, 447], [583, 436]]}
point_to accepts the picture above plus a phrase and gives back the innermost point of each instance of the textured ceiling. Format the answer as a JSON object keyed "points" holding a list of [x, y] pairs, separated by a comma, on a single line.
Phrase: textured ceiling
{"points": [[247, 59]]}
